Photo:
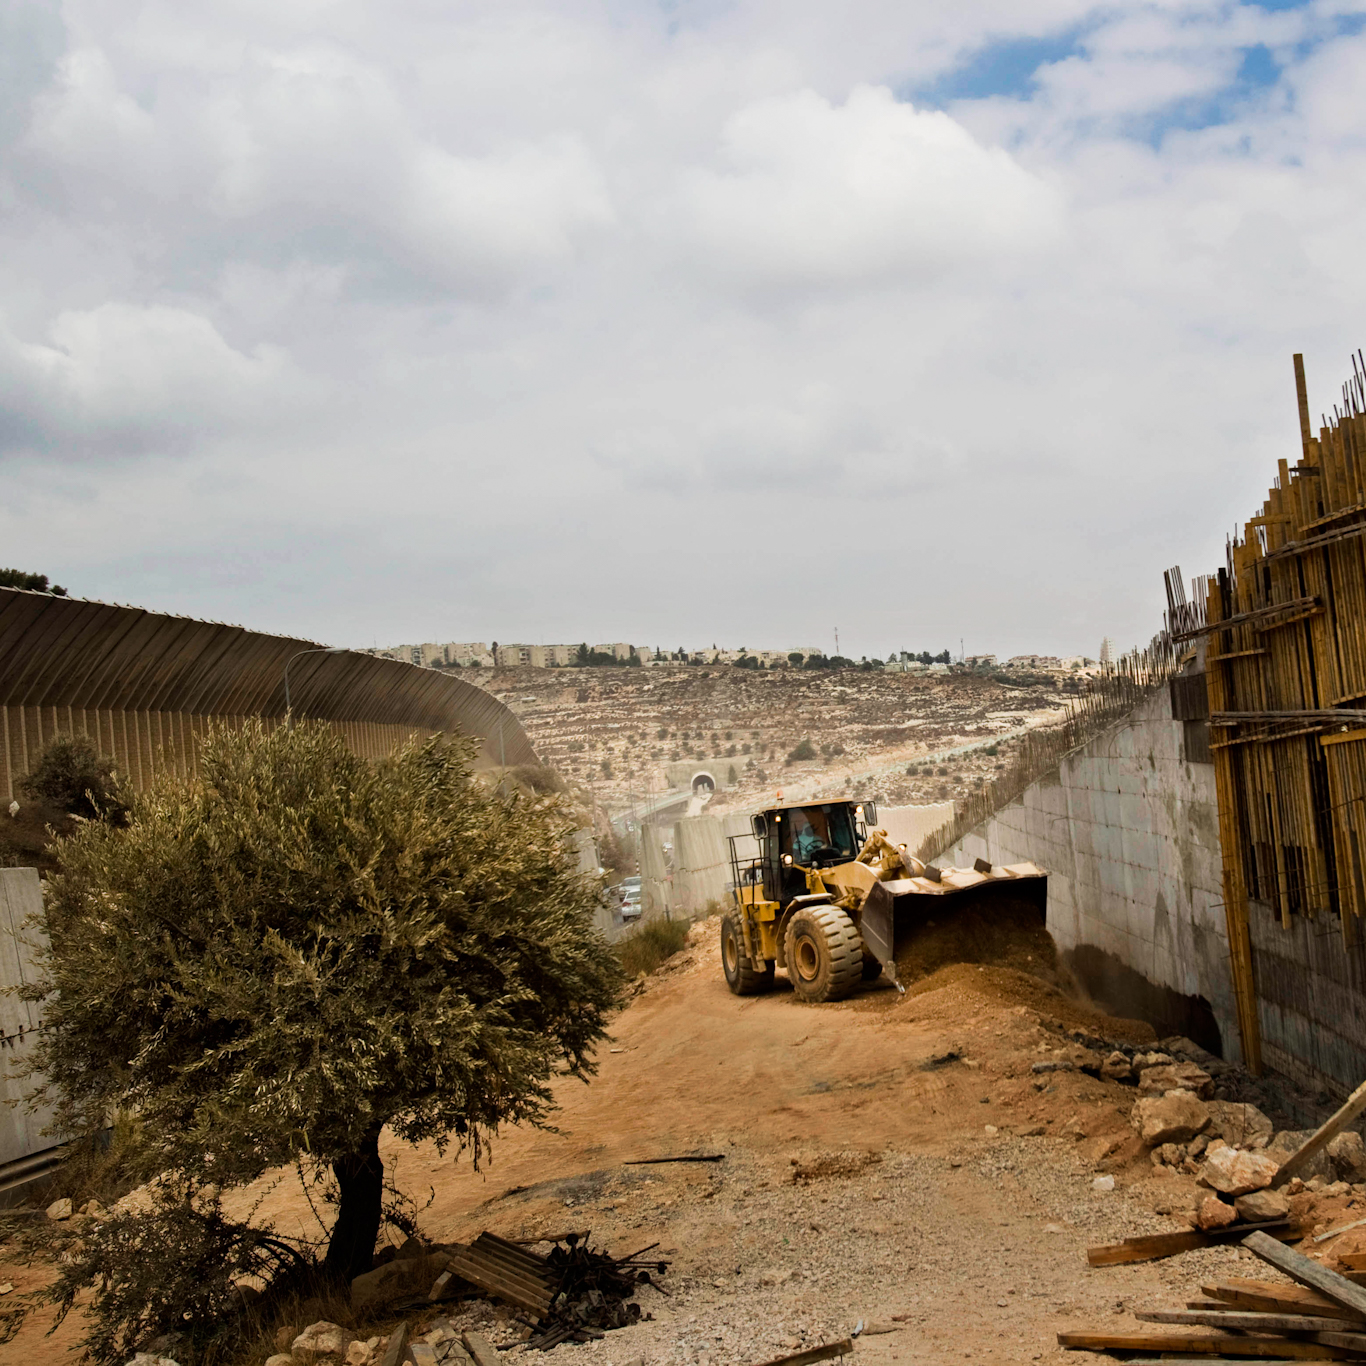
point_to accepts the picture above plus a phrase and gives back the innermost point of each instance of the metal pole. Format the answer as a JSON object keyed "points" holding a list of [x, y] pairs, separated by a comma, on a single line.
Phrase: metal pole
{"points": [[318, 650]]}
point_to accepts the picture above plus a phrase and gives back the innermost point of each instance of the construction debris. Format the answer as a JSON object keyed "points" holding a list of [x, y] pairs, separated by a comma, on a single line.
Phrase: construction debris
{"points": [[593, 1292], [575, 1293], [1323, 1318], [650, 1161]]}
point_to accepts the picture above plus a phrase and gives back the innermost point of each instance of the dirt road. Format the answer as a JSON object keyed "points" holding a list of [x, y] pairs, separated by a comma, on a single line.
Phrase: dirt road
{"points": [[890, 1159]]}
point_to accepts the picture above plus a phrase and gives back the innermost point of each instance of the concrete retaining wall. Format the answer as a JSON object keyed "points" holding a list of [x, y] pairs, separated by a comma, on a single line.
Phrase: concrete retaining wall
{"points": [[1129, 832]]}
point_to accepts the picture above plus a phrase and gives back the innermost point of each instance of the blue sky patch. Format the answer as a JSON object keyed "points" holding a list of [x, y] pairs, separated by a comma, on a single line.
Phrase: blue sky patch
{"points": [[1001, 68]]}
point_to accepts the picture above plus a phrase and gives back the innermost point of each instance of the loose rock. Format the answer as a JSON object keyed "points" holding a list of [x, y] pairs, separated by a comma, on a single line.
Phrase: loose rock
{"points": [[1237, 1173], [59, 1209], [1116, 1067], [1174, 1118], [1262, 1205], [1242, 1126], [321, 1339], [1348, 1155], [1179, 1076], [1213, 1213]]}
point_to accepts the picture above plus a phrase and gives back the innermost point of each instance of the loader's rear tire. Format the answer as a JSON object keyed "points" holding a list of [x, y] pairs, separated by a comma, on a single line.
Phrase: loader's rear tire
{"points": [[824, 954], [741, 975]]}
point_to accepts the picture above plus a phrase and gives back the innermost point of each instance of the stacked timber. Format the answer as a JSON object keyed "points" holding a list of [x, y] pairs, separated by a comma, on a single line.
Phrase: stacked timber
{"points": [[1322, 1317]]}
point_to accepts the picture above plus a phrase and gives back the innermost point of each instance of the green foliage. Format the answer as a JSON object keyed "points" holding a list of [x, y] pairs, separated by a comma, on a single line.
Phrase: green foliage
{"points": [[303, 947], [36, 583], [536, 778], [803, 750], [171, 1268], [74, 777], [795, 659], [650, 944]]}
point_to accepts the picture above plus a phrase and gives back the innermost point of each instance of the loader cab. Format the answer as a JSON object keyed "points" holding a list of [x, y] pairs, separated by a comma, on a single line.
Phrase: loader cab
{"points": [[810, 835]]}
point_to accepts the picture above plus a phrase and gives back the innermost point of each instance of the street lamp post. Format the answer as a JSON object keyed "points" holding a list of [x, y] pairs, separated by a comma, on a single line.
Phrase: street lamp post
{"points": [[320, 650]]}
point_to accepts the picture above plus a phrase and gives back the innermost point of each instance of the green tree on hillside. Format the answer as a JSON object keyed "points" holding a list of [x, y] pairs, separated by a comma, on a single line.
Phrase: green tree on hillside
{"points": [[277, 962], [37, 583]]}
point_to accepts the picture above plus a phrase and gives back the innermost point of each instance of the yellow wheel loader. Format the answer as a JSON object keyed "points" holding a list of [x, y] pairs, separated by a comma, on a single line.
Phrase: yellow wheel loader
{"points": [[828, 894]]}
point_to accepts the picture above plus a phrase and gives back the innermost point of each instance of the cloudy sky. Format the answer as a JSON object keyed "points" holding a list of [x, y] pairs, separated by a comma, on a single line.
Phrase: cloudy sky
{"points": [[675, 322]]}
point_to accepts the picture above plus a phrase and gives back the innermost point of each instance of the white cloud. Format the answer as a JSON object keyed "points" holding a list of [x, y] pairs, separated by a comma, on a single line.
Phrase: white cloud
{"points": [[122, 373], [812, 192], [518, 320]]}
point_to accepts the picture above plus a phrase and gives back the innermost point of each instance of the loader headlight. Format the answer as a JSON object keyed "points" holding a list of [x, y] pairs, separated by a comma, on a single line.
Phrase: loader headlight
{"points": [[902, 847], [858, 811], [787, 860]]}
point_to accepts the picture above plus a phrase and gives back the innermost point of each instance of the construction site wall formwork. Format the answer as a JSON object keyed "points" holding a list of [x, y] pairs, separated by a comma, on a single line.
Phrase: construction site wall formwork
{"points": [[1283, 626], [1128, 828], [145, 686]]}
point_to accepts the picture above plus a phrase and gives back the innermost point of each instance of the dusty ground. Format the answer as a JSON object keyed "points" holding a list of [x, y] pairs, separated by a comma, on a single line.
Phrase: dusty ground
{"points": [[891, 1159]]}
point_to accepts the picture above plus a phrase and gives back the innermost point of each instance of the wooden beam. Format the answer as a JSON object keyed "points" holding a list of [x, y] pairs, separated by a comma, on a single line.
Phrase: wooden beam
{"points": [[1343, 737], [1226, 1344], [1243, 1320], [1277, 1297], [1321, 1138], [1151, 1247], [1302, 402], [1307, 1272]]}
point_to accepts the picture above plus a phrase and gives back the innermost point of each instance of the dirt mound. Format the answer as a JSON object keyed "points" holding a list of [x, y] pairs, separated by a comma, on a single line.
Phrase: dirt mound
{"points": [[961, 988], [1001, 933]]}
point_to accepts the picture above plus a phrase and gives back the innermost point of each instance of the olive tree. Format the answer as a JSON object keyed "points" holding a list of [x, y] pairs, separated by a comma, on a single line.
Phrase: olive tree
{"points": [[302, 947]]}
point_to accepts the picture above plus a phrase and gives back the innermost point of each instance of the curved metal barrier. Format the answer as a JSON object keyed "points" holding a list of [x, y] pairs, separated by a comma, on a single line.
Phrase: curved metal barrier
{"points": [[145, 686]]}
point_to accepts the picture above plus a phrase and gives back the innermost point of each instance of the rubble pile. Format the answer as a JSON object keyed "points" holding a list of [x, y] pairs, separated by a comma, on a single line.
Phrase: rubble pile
{"points": [[594, 1292]]}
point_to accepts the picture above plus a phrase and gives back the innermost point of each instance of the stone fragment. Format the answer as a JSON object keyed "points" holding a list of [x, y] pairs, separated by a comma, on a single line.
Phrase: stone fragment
{"points": [[284, 1335], [280, 1359], [1348, 1155], [1177, 1076], [360, 1353], [1289, 1141], [1173, 1118], [1242, 1126], [1213, 1213], [1142, 1060], [1103, 1185], [1167, 1155], [1181, 1047], [321, 1339], [59, 1209], [402, 1278], [1116, 1067], [1051, 1066], [93, 1208], [1234, 1172], [1260, 1206], [151, 1359]]}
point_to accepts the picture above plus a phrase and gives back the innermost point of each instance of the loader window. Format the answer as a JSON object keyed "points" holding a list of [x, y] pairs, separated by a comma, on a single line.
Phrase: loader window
{"points": [[820, 834]]}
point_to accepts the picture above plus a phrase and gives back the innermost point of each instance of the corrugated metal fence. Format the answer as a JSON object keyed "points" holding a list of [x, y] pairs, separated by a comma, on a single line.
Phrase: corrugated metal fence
{"points": [[145, 686]]}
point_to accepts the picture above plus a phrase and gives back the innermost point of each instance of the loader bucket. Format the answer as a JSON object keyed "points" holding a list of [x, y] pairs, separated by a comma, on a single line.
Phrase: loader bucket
{"points": [[891, 909]]}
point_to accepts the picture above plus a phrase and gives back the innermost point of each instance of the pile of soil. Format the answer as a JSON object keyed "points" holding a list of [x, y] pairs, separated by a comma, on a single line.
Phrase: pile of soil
{"points": [[995, 953], [1003, 933]]}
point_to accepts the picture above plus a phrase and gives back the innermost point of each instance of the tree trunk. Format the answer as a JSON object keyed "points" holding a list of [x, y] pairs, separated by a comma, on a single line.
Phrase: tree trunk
{"points": [[360, 1179]]}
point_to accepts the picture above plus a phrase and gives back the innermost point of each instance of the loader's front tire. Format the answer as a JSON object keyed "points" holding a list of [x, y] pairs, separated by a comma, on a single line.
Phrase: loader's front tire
{"points": [[824, 954], [741, 976]]}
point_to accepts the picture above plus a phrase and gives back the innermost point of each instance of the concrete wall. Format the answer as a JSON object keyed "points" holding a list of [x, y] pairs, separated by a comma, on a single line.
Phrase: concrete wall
{"points": [[910, 825], [1129, 832], [1311, 999], [21, 1136], [701, 866]]}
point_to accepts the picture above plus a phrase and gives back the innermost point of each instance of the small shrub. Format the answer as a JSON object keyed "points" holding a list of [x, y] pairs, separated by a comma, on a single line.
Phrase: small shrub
{"points": [[74, 777], [650, 945], [536, 778], [802, 751]]}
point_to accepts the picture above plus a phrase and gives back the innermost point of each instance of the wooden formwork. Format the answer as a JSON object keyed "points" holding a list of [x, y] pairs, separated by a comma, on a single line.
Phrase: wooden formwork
{"points": [[1285, 622]]}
